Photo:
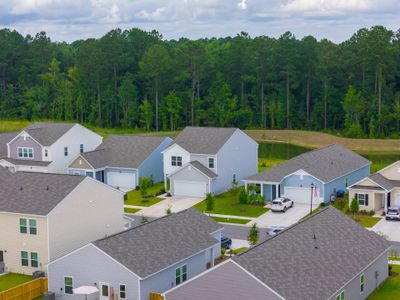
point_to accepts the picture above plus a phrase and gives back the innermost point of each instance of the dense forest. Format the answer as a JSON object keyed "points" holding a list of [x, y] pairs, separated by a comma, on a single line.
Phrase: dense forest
{"points": [[136, 79]]}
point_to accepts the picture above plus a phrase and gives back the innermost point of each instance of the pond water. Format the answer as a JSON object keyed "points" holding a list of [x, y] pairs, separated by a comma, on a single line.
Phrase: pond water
{"points": [[284, 151]]}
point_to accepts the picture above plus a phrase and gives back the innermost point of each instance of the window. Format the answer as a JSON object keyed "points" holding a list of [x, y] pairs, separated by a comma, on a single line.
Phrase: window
{"points": [[181, 274], [81, 148], [122, 291], [211, 163], [34, 260], [104, 290], [32, 227], [65, 151], [68, 285], [23, 227], [362, 281], [234, 178], [46, 152], [340, 296], [24, 259], [362, 199], [25, 152], [176, 161]]}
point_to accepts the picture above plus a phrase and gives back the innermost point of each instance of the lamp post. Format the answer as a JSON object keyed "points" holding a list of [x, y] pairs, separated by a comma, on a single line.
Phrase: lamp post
{"points": [[312, 187]]}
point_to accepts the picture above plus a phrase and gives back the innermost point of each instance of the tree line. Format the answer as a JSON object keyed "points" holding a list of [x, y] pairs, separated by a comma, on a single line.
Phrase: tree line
{"points": [[136, 79]]}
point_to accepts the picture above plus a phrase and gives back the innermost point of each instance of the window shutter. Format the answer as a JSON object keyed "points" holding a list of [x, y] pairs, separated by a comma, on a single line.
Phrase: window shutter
{"points": [[366, 199], [356, 196]]}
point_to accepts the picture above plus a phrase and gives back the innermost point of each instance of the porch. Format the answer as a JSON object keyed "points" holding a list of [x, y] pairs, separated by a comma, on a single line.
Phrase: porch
{"points": [[269, 190], [371, 198]]}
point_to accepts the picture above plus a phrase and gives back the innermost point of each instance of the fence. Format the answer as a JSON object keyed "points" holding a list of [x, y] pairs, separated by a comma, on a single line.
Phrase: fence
{"points": [[26, 291]]}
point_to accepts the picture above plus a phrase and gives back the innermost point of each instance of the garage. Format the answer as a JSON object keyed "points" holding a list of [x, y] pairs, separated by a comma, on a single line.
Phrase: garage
{"points": [[300, 195], [121, 179], [189, 188], [396, 200]]}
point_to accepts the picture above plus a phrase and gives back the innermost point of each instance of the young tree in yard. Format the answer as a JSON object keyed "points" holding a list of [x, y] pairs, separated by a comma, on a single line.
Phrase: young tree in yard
{"points": [[145, 183], [209, 202], [354, 206], [253, 235]]}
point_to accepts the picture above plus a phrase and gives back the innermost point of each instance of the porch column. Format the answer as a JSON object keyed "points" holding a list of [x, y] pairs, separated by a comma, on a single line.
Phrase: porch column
{"points": [[262, 189], [386, 201], [165, 183], [245, 185], [373, 199], [276, 191]]}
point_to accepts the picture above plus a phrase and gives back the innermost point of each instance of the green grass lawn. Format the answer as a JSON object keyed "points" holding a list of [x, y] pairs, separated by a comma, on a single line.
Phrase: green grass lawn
{"points": [[129, 210], [266, 163], [394, 258], [366, 221], [231, 220], [11, 280], [134, 197], [390, 289], [238, 250], [228, 204]]}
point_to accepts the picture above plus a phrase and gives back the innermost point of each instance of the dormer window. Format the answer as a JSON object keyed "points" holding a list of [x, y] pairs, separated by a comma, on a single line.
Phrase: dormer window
{"points": [[176, 161], [25, 152], [211, 163]]}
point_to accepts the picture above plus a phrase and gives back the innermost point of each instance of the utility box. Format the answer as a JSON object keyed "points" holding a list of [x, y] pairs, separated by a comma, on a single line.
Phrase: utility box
{"points": [[49, 296], [38, 274]]}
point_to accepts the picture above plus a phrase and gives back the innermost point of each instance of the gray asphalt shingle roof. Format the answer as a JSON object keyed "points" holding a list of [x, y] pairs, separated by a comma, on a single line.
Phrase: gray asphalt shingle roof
{"points": [[384, 182], [325, 164], [202, 168], [225, 282], [47, 133], [27, 162], [203, 140], [151, 247], [4, 139], [125, 151], [34, 193], [341, 246]]}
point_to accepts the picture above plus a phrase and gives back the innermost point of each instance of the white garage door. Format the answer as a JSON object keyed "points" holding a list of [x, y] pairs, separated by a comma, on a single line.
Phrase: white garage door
{"points": [[299, 195], [122, 180], [190, 188], [396, 200]]}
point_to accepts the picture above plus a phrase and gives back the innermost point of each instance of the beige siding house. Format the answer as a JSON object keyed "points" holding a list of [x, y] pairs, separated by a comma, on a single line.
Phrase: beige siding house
{"points": [[378, 191], [45, 216]]}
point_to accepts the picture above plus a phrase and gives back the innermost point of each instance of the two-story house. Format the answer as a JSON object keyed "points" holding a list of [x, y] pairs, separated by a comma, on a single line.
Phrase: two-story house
{"points": [[121, 160], [44, 216], [209, 160], [47, 147], [152, 257]]}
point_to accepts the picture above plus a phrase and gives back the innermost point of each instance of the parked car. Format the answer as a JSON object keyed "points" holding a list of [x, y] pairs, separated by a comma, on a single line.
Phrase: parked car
{"points": [[226, 242], [274, 230], [281, 204], [393, 213]]}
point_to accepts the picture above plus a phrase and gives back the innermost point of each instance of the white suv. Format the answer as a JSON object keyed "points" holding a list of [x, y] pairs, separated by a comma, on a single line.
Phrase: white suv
{"points": [[281, 204]]}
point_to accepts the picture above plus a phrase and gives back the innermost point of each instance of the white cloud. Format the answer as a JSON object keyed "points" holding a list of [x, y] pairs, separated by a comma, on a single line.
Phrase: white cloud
{"points": [[326, 5], [242, 4]]}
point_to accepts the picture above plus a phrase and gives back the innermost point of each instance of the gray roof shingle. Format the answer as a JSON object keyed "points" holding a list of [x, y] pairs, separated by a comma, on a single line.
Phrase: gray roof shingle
{"points": [[47, 133], [34, 193], [225, 282], [203, 140], [202, 168], [295, 265], [27, 162], [125, 151], [151, 247], [384, 182], [4, 139], [325, 164]]}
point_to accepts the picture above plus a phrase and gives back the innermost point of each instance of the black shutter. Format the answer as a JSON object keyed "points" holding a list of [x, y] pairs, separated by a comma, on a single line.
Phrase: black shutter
{"points": [[366, 199]]}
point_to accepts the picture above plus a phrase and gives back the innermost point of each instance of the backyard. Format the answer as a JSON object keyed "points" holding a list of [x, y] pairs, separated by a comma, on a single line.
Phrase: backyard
{"points": [[135, 198], [390, 289], [228, 204], [11, 280]]}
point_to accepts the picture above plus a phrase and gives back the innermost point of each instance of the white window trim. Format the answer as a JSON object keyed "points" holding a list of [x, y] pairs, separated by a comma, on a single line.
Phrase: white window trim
{"points": [[213, 162], [30, 258], [27, 152], [119, 291], [176, 161], [66, 150], [363, 200], [362, 291], [181, 274], [101, 289], [72, 285]]}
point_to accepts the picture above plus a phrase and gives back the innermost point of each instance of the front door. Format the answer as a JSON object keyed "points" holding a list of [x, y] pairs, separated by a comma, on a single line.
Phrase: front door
{"points": [[1, 262], [104, 291]]}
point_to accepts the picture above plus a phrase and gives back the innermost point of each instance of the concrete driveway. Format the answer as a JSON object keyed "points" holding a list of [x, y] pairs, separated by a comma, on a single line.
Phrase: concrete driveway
{"points": [[176, 204], [390, 229], [288, 218]]}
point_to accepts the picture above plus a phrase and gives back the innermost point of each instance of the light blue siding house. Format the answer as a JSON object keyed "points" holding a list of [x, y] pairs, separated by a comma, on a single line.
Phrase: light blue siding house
{"points": [[122, 160], [318, 173], [153, 257], [208, 160]]}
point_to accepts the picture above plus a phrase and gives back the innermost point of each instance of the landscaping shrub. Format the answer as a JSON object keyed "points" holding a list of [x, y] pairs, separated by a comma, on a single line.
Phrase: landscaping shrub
{"points": [[243, 196], [371, 212], [254, 235], [209, 202], [145, 183], [355, 206]]}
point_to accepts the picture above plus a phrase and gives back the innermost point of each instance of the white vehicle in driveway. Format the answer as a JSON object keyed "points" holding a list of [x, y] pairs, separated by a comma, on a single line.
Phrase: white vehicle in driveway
{"points": [[281, 204]]}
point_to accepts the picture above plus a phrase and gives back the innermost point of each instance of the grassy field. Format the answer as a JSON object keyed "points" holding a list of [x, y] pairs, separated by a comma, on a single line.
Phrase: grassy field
{"points": [[228, 204], [231, 220], [134, 197], [390, 289], [11, 280], [266, 163]]}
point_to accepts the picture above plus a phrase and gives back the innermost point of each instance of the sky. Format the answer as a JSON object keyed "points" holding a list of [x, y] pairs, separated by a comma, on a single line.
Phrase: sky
{"points": [[69, 20]]}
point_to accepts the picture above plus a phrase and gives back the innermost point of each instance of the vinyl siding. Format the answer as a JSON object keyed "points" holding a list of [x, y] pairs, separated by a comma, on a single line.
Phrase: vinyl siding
{"points": [[174, 150], [20, 141], [393, 172], [304, 181], [89, 212], [88, 266], [188, 173], [14, 242]]}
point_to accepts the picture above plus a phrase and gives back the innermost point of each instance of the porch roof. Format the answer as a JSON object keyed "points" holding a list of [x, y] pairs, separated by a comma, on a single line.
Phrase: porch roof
{"points": [[366, 187]]}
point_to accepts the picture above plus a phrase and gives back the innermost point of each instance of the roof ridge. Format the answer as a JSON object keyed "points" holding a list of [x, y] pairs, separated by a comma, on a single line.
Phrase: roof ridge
{"points": [[288, 228]]}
